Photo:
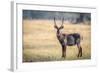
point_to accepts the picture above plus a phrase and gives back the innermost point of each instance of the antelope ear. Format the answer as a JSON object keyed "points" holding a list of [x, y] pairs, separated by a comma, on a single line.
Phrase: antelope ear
{"points": [[55, 26], [61, 27]]}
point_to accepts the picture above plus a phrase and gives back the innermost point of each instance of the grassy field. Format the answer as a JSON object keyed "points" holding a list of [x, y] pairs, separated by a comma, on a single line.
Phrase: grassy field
{"points": [[40, 42]]}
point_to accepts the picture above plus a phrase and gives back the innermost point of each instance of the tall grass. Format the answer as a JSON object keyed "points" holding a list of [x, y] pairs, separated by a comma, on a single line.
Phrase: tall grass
{"points": [[40, 42]]}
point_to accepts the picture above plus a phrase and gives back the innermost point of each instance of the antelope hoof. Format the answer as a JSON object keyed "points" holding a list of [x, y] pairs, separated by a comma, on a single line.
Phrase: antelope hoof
{"points": [[63, 56], [79, 55]]}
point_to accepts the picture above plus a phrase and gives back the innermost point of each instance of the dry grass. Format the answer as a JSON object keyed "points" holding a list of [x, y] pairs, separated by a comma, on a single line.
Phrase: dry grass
{"points": [[41, 44]]}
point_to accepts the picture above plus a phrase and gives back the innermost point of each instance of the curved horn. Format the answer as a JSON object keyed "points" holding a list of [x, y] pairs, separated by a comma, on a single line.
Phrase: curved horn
{"points": [[62, 24], [62, 21], [55, 23]]}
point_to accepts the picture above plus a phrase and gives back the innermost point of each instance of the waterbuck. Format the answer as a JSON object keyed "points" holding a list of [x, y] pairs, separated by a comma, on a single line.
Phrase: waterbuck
{"points": [[68, 39]]}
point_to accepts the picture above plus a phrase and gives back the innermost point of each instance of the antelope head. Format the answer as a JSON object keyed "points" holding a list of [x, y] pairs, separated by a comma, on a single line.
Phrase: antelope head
{"points": [[58, 28]]}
